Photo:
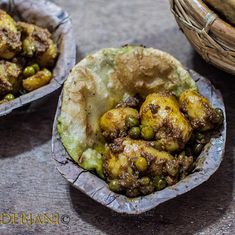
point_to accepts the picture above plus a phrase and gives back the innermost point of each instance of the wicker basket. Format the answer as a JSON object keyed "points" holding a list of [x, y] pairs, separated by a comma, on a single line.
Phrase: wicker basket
{"points": [[212, 38]]}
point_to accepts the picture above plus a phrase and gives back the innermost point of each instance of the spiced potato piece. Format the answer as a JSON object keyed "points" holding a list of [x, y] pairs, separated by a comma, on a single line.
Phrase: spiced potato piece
{"points": [[114, 123], [137, 168], [41, 78], [10, 43], [161, 112], [37, 43], [202, 115], [10, 77]]}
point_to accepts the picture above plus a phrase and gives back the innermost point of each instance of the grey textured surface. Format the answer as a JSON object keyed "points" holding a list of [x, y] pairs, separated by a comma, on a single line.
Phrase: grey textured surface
{"points": [[29, 180]]}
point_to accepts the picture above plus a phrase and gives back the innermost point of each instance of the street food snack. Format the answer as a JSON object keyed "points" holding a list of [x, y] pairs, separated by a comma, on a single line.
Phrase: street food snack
{"points": [[135, 117], [27, 56]]}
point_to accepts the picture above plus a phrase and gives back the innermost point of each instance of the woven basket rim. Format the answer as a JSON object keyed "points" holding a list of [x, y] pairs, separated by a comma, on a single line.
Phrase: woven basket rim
{"points": [[201, 12]]}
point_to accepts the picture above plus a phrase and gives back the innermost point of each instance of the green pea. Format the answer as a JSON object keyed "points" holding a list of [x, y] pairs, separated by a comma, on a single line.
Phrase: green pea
{"points": [[200, 136], [29, 71], [219, 116], [114, 186], [130, 171], [198, 148], [141, 164], [159, 183], [134, 132], [28, 48], [158, 144], [36, 67], [47, 72], [132, 121], [9, 97], [147, 132], [144, 180]]}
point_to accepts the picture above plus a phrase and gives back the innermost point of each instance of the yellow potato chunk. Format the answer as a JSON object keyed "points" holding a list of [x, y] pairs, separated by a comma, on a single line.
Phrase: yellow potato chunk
{"points": [[10, 78], [113, 122], [201, 114], [161, 112], [38, 80], [37, 42], [136, 167], [10, 43], [133, 151]]}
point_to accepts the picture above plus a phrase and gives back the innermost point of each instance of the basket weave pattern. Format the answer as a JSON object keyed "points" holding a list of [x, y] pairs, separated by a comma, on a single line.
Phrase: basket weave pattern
{"points": [[203, 27]]}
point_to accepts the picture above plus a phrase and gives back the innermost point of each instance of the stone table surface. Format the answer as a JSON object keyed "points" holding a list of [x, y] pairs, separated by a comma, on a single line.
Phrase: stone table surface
{"points": [[29, 181]]}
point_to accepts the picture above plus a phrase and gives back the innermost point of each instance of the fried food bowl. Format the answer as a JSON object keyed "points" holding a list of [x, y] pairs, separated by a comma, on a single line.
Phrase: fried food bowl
{"points": [[47, 15], [128, 124]]}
